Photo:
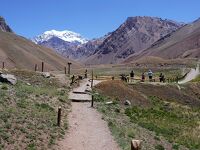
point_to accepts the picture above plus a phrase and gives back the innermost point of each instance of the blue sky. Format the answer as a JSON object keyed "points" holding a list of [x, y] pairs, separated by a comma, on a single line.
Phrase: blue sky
{"points": [[90, 18]]}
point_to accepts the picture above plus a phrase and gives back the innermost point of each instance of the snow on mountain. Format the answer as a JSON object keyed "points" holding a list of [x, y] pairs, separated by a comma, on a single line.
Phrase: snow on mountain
{"points": [[65, 35]]}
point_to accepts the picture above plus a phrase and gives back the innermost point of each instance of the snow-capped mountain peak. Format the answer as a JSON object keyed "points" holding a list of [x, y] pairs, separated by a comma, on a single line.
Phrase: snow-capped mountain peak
{"points": [[65, 35]]}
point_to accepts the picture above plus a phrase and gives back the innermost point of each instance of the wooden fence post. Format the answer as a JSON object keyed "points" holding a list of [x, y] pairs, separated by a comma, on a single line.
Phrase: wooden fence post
{"points": [[59, 116], [92, 102], [69, 64], [3, 65], [92, 80], [65, 70], [136, 145], [42, 66], [176, 79], [35, 67]]}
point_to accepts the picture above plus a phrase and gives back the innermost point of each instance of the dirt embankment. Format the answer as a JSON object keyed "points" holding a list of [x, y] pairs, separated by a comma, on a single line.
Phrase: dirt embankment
{"points": [[138, 93], [121, 91]]}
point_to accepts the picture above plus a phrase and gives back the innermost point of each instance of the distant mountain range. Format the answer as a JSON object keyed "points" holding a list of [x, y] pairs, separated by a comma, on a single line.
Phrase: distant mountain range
{"points": [[136, 39], [134, 35]]}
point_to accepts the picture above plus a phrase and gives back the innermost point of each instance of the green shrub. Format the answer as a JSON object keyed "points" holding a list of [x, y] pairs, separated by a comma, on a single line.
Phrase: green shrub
{"points": [[4, 87], [175, 146], [159, 147], [44, 106]]}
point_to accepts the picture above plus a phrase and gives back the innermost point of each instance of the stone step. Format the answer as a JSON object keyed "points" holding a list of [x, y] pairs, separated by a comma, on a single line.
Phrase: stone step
{"points": [[80, 100], [79, 92], [80, 97]]}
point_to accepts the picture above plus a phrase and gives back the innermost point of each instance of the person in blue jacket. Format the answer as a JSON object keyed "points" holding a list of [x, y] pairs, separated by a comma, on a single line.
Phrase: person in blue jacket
{"points": [[150, 75]]}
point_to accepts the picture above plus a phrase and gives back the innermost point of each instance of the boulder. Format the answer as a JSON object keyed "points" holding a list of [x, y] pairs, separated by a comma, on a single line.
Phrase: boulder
{"points": [[127, 102], [28, 84], [8, 78], [88, 89], [46, 74]]}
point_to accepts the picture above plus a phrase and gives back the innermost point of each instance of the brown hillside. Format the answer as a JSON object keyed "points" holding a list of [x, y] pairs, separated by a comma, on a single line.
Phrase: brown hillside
{"points": [[18, 52], [184, 43]]}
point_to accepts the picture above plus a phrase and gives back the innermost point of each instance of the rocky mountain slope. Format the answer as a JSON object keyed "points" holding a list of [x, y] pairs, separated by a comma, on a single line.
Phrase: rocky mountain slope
{"points": [[83, 51], [18, 52], [3, 26], [136, 34], [184, 43]]}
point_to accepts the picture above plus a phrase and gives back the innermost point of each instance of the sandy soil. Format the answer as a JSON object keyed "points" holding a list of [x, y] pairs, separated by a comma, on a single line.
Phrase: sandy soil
{"points": [[87, 130]]}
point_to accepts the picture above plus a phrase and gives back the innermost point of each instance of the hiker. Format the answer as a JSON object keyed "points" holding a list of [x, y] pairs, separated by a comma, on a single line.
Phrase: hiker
{"points": [[127, 79], [123, 77], [132, 76], [150, 74], [113, 78], [143, 77], [86, 73], [162, 77]]}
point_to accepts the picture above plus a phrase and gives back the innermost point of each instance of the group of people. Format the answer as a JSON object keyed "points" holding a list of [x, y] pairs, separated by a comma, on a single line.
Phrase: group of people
{"points": [[150, 76]]}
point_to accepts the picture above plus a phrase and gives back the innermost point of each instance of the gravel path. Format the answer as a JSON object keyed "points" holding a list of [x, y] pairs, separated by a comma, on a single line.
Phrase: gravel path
{"points": [[87, 130]]}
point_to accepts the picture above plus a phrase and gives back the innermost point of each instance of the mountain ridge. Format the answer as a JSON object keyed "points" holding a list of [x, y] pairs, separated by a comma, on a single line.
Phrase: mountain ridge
{"points": [[134, 35], [184, 43]]}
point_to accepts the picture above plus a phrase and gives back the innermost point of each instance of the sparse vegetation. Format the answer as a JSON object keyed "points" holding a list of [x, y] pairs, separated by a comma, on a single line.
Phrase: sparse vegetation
{"points": [[159, 147], [165, 124], [28, 112], [177, 123]]}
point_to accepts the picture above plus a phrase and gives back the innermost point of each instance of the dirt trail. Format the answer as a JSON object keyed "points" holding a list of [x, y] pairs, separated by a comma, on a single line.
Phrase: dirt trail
{"points": [[191, 75], [87, 130]]}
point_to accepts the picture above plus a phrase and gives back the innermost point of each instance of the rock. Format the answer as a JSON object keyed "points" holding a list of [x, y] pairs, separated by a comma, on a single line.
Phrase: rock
{"points": [[88, 89], [127, 102], [8, 78], [110, 102], [46, 74], [28, 84]]}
